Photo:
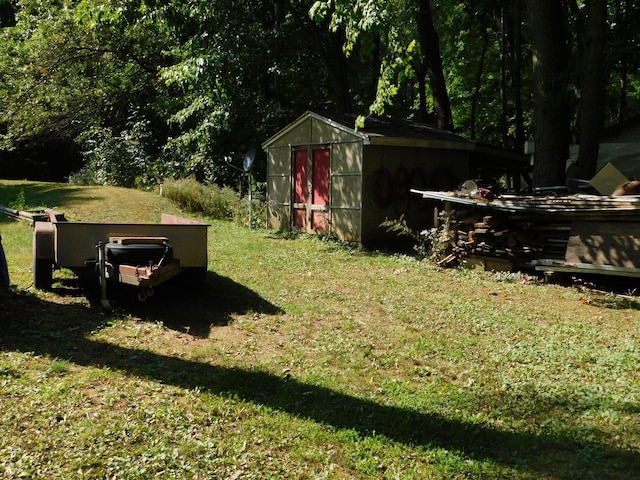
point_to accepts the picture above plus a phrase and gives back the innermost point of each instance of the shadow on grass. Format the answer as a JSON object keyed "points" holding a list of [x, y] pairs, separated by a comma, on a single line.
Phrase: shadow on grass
{"points": [[41, 194], [179, 304], [194, 309], [612, 292], [32, 325], [614, 302]]}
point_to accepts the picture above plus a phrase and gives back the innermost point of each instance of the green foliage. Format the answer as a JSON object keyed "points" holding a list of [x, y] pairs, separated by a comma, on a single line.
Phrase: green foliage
{"points": [[355, 17], [122, 160], [193, 196], [168, 89], [79, 63], [428, 244], [387, 28], [220, 203], [20, 202], [203, 123]]}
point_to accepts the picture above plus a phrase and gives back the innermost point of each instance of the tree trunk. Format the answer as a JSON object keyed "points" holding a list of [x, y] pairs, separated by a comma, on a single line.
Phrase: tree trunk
{"points": [[592, 93], [505, 90], [513, 27], [622, 9], [328, 45], [430, 50], [551, 93], [423, 114], [476, 90]]}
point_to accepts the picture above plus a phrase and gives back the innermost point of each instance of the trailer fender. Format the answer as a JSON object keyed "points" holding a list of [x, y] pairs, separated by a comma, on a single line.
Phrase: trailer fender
{"points": [[43, 255]]}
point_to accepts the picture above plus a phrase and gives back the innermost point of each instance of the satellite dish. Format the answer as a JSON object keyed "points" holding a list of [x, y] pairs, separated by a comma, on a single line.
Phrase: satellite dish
{"points": [[249, 157]]}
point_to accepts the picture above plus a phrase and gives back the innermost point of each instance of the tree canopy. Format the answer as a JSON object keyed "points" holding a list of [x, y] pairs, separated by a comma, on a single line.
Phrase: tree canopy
{"points": [[148, 90]]}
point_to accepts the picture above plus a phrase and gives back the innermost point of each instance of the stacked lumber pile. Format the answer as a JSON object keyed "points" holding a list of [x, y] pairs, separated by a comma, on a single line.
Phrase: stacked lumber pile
{"points": [[32, 216], [579, 233], [518, 238], [585, 233]]}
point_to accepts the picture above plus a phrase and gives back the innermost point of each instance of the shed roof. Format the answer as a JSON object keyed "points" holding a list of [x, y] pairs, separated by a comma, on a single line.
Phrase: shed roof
{"points": [[383, 131], [406, 133]]}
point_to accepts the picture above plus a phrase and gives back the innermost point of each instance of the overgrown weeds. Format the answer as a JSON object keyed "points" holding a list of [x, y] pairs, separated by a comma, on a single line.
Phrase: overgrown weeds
{"points": [[20, 202], [219, 203], [428, 244]]}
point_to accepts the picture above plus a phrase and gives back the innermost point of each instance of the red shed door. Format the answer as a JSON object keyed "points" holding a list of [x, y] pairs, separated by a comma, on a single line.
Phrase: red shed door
{"points": [[320, 197], [300, 189], [311, 195]]}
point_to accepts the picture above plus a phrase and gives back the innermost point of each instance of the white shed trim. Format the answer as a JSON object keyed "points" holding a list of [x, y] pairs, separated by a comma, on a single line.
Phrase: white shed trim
{"points": [[307, 115]]}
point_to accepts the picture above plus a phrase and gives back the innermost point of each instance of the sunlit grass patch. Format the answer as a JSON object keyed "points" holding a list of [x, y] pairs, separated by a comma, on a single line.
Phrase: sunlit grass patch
{"points": [[307, 358]]}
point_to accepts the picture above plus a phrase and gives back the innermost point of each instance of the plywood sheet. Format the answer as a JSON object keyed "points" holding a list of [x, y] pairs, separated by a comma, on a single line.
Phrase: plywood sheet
{"points": [[608, 179], [604, 243], [346, 225], [76, 241]]}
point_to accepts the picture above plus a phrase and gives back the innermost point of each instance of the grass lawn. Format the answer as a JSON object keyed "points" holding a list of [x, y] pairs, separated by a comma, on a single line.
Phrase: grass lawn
{"points": [[305, 358]]}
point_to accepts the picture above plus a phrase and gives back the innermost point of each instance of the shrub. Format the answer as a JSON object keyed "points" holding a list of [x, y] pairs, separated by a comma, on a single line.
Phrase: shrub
{"points": [[221, 203], [122, 159], [426, 243]]}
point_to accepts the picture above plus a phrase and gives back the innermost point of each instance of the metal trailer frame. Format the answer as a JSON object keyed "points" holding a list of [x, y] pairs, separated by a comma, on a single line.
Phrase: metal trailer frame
{"points": [[80, 247]]}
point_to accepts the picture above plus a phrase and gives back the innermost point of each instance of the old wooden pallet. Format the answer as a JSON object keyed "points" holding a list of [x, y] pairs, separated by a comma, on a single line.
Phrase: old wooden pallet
{"points": [[31, 216]]}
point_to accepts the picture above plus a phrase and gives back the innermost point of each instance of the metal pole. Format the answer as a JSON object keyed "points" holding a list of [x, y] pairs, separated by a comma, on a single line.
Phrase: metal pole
{"points": [[250, 201]]}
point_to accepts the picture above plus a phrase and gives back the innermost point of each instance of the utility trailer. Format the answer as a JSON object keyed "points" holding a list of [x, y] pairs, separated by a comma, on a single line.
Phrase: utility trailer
{"points": [[136, 254]]}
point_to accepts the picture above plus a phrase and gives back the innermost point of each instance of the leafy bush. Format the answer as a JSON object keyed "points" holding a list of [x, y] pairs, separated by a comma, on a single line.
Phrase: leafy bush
{"points": [[221, 203], [193, 196], [121, 159], [20, 202], [426, 243]]}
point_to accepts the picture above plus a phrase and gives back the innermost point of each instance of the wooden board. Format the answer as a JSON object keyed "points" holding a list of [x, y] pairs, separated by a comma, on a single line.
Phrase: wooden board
{"points": [[608, 179], [556, 266], [75, 242], [488, 264], [604, 243]]}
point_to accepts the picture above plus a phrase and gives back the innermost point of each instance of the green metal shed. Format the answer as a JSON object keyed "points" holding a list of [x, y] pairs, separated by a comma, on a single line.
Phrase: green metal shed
{"points": [[324, 176]]}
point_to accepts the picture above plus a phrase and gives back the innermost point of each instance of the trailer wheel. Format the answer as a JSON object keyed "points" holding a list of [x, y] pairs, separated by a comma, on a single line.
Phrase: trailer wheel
{"points": [[42, 273], [43, 255]]}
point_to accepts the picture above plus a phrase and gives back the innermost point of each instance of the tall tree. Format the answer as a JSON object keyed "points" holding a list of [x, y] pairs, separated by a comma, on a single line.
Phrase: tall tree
{"points": [[328, 43], [482, 48], [431, 65], [549, 44], [624, 56], [175, 86], [412, 49], [591, 107], [512, 43]]}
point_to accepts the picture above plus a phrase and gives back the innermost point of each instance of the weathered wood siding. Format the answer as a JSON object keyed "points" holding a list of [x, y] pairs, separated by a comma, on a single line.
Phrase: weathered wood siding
{"points": [[346, 191], [279, 187], [345, 182], [390, 172]]}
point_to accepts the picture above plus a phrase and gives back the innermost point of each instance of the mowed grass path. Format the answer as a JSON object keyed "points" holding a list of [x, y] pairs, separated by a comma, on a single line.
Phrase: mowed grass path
{"points": [[305, 358]]}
